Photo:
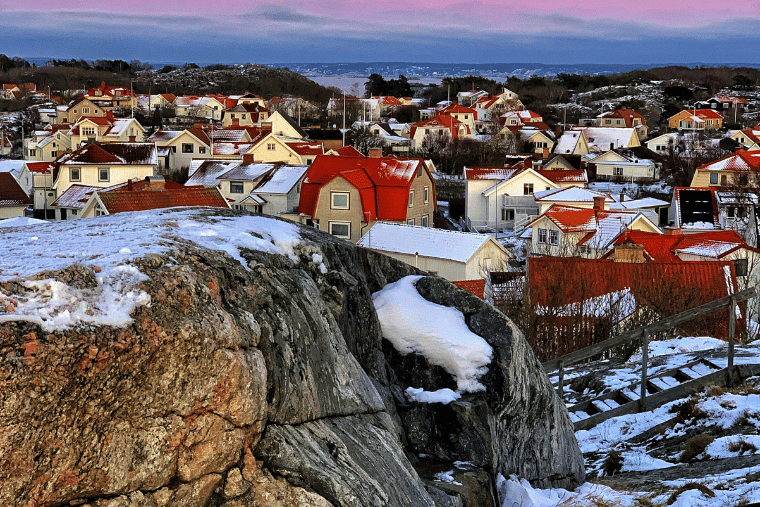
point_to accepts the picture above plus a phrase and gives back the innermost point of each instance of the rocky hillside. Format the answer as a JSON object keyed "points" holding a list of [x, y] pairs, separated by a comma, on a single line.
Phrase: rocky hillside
{"points": [[204, 358]]}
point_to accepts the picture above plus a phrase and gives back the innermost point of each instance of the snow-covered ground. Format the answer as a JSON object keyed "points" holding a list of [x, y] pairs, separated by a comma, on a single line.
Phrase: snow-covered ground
{"points": [[733, 411]]}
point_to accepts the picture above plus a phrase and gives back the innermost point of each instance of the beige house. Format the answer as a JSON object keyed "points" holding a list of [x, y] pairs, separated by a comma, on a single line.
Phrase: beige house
{"points": [[452, 255], [42, 192], [696, 119], [346, 195], [13, 199], [178, 148], [245, 115], [572, 142], [613, 165], [199, 107], [76, 110], [104, 165], [47, 145]]}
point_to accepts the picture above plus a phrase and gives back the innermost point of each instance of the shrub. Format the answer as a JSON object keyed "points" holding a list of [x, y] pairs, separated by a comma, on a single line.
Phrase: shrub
{"points": [[694, 447], [742, 446], [686, 487], [613, 463]]}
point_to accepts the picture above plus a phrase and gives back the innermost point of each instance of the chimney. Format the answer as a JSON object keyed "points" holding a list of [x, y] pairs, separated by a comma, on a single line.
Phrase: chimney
{"points": [[247, 158], [599, 202], [375, 153], [622, 197], [559, 130], [129, 185], [546, 154], [672, 231], [630, 253]]}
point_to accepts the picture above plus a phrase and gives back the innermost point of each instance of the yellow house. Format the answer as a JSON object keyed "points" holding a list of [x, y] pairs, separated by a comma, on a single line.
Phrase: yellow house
{"points": [[572, 142], [283, 125], [47, 145], [275, 148], [696, 119], [245, 115], [738, 168], [749, 138], [178, 148], [104, 165]]}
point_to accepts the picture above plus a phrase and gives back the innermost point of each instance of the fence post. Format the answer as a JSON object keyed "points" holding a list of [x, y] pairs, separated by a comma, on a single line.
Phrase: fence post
{"points": [[644, 361], [560, 387], [731, 337]]}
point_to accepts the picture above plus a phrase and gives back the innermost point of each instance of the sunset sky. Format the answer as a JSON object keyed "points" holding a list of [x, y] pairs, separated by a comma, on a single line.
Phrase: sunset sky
{"points": [[227, 31]]}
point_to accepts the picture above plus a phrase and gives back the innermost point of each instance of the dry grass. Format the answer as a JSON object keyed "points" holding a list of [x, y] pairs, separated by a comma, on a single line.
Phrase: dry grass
{"points": [[742, 446], [613, 463], [687, 487], [694, 447], [688, 410], [646, 501]]}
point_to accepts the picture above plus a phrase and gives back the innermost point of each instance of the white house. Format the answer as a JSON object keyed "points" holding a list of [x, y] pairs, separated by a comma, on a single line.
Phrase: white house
{"points": [[452, 255]]}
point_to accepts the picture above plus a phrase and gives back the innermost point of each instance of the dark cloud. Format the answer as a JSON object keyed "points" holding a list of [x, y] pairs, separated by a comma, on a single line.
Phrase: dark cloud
{"points": [[281, 14]]}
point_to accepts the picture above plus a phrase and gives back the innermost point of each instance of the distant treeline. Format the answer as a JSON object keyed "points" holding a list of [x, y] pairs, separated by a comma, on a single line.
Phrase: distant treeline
{"points": [[60, 75]]}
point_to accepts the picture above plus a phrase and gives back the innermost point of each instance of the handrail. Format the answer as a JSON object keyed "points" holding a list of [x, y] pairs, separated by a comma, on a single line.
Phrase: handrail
{"points": [[655, 327]]}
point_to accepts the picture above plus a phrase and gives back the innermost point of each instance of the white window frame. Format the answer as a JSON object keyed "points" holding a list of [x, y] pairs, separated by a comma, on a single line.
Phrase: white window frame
{"points": [[410, 221], [238, 185], [425, 195], [333, 195], [425, 221], [75, 174], [411, 198], [542, 236], [271, 146], [553, 237], [331, 225], [100, 174]]}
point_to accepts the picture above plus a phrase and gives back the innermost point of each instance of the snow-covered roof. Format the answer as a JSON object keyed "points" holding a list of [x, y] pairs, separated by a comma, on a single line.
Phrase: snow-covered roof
{"points": [[282, 179], [647, 202], [567, 142], [604, 138], [425, 241], [208, 172], [247, 172], [75, 196], [12, 166], [569, 194]]}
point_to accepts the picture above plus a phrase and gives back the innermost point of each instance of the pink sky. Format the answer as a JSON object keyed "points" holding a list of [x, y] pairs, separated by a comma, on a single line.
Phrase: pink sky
{"points": [[420, 28]]}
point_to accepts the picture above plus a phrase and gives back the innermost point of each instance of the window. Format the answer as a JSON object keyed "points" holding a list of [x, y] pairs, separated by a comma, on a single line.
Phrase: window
{"points": [[419, 171], [243, 116], [617, 171], [74, 174], [713, 178], [528, 189], [741, 267], [33, 152], [74, 212], [542, 236], [88, 131], [270, 146], [424, 220], [236, 187], [730, 212], [411, 198], [340, 229], [99, 211], [201, 149], [174, 149], [53, 154], [410, 221], [187, 147], [507, 215], [554, 237], [339, 200], [85, 110], [426, 195], [103, 175]]}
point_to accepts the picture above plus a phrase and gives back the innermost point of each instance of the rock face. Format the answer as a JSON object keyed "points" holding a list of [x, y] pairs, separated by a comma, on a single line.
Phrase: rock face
{"points": [[264, 384]]}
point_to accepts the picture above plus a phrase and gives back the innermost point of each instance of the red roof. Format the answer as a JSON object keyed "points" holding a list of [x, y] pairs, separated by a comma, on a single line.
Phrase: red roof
{"points": [[439, 120], [570, 218], [663, 247], [668, 288], [741, 160], [306, 148], [476, 287], [39, 167], [118, 201], [460, 109], [348, 151], [383, 183], [626, 114], [11, 193], [563, 176], [706, 114]]}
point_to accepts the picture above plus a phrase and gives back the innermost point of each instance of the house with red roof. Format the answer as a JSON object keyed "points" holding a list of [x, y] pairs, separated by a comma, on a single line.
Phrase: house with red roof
{"points": [[346, 195], [153, 193], [42, 193], [737, 169], [442, 127], [103, 165], [110, 97], [594, 298], [246, 114], [747, 138], [569, 231], [292, 151], [466, 115], [178, 148], [696, 120], [623, 117], [13, 199]]}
